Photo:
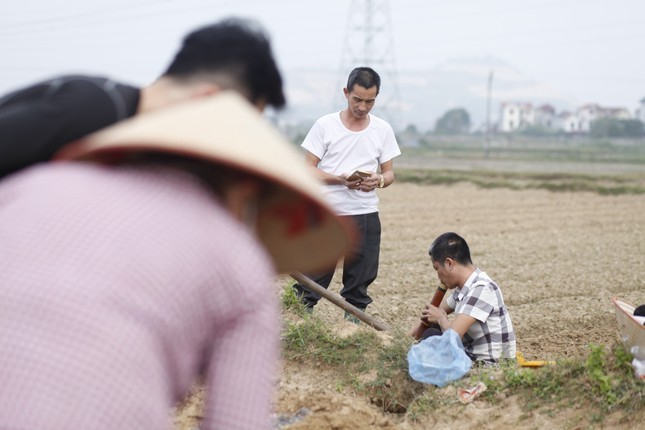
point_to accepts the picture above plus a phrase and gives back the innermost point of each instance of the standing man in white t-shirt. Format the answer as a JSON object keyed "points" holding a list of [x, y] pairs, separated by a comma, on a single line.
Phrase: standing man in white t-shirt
{"points": [[338, 145]]}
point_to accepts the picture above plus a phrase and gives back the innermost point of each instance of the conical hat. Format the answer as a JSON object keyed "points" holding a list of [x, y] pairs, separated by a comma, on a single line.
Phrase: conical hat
{"points": [[295, 223], [632, 330]]}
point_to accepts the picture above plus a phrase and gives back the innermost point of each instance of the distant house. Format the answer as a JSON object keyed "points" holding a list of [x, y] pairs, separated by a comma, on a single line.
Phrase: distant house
{"points": [[516, 116], [589, 113], [586, 115], [568, 122], [545, 116], [519, 116], [617, 113], [640, 112]]}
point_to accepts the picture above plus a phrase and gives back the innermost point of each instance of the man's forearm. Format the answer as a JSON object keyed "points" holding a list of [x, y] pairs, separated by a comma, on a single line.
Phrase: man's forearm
{"points": [[327, 178], [444, 323], [388, 178]]}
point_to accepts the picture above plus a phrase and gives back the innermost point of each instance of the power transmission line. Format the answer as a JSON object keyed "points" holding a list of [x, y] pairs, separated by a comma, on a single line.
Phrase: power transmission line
{"points": [[369, 42]]}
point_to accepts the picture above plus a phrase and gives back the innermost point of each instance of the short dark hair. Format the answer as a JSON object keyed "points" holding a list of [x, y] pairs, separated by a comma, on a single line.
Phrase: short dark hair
{"points": [[640, 311], [366, 77], [234, 47], [450, 245]]}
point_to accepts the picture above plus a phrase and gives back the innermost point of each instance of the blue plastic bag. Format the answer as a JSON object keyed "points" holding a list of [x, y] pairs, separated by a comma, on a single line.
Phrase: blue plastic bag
{"points": [[438, 360]]}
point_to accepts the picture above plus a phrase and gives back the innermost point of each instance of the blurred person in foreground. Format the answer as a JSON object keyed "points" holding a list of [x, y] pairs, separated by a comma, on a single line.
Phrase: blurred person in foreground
{"points": [[233, 54], [142, 258], [337, 145], [481, 317]]}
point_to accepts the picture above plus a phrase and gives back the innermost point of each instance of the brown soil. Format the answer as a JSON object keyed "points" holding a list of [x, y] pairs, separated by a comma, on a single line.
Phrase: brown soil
{"points": [[558, 257]]}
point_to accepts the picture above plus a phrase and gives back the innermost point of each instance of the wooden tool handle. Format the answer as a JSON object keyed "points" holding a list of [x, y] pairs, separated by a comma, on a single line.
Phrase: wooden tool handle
{"points": [[436, 301]]}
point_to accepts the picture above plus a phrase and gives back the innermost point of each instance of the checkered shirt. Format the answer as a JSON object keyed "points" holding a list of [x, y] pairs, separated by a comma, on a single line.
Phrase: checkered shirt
{"points": [[118, 288], [491, 337]]}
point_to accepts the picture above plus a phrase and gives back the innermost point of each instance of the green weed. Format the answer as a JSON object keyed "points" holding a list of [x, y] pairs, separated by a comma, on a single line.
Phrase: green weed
{"points": [[290, 300], [601, 381], [604, 185], [366, 366], [604, 380]]}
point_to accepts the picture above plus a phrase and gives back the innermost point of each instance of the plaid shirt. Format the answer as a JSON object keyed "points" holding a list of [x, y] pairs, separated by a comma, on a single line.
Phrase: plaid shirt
{"points": [[118, 288], [491, 337]]}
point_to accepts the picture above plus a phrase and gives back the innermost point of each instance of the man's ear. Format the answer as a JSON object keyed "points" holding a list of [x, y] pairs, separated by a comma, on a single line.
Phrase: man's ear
{"points": [[449, 263]]}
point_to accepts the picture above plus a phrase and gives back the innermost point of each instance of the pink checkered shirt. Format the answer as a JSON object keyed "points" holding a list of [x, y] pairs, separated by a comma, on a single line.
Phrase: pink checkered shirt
{"points": [[118, 287]]}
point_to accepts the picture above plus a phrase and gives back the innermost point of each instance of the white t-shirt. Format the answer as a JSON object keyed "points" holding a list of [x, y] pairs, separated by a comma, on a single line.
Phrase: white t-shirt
{"points": [[343, 151]]}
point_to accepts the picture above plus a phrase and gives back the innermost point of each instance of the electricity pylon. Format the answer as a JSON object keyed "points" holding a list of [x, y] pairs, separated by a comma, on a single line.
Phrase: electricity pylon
{"points": [[369, 42]]}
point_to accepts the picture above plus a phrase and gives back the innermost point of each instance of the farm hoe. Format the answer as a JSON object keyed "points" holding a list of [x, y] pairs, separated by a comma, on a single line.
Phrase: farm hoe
{"points": [[338, 301]]}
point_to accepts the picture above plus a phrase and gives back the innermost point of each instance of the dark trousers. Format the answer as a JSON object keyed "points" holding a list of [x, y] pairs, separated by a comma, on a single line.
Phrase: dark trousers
{"points": [[360, 266]]}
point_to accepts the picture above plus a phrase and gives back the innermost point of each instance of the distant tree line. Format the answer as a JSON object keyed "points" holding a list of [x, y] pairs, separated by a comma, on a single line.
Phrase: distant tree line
{"points": [[454, 121], [610, 127]]}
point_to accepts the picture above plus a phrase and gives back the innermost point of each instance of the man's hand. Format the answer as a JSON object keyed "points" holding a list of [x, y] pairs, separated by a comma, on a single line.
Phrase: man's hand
{"points": [[370, 183], [361, 182], [461, 323], [433, 314], [352, 184]]}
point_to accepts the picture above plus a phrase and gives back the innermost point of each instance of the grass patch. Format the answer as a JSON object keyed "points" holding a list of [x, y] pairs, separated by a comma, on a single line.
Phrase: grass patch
{"points": [[364, 365], [604, 185], [603, 382], [289, 299], [536, 150], [361, 361], [310, 340]]}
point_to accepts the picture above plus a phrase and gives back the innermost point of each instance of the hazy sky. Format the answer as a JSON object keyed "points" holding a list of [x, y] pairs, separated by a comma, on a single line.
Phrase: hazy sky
{"points": [[593, 51]]}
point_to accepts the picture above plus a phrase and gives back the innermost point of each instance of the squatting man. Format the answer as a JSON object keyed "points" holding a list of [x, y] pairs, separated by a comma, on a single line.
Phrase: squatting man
{"points": [[481, 317]]}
